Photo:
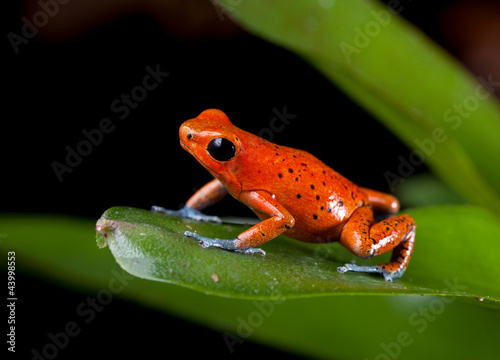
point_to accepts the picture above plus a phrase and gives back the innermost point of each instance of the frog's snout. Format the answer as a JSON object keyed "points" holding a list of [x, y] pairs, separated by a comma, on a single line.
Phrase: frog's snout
{"points": [[186, 135]]}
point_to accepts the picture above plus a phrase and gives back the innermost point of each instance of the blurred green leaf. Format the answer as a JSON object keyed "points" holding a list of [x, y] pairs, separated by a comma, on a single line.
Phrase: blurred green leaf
{"points": [[418, 91], [62, 249], [425, 190], [152, 246]]}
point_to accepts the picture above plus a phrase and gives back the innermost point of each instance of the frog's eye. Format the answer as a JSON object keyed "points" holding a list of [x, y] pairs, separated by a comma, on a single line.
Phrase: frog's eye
{"points": [[221, 149]]}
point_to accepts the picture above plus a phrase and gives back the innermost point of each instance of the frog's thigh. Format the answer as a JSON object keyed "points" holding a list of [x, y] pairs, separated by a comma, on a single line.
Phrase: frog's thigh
{"points": [[381, 202], [365, 239]]}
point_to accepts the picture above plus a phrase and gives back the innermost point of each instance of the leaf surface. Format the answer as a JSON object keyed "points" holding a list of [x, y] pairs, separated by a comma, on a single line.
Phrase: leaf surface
{"points": [[61, 249], [448, 258]]}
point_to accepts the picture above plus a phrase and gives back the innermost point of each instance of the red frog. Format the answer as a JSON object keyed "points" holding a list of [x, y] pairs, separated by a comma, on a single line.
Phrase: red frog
{"points": [[292, 192]]}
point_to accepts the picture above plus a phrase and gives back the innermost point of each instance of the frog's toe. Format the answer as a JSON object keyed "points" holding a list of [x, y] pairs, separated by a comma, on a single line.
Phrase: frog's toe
{"points": [[186, 212], [162, 210], [226, 244], [358, 268], [206, 242], [251, 251], [388, 275]]}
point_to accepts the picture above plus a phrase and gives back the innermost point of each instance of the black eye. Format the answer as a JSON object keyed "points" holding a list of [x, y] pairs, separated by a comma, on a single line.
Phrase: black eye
{"points": [[221, 149]]}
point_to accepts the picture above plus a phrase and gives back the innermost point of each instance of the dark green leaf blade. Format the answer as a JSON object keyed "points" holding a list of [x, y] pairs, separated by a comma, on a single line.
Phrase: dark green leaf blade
{"points": [[448, 258], [60, 249]]}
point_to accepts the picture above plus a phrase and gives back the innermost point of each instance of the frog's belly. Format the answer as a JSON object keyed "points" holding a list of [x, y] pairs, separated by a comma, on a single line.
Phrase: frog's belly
{"points": [[315, 233], [314, 229]]}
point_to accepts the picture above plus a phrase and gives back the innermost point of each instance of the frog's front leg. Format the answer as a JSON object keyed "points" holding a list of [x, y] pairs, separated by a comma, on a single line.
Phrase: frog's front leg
{"points": [[209, 194], [276, 220], [365, 239]]}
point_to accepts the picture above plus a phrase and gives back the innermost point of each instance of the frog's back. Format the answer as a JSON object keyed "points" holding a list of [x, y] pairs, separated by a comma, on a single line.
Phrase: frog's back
{"points": [[320, 199]]}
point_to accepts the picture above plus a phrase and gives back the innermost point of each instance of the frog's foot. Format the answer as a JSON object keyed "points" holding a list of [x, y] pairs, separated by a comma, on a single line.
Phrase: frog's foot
{"points": [[380, 269], [226, 244], [186, 212]]}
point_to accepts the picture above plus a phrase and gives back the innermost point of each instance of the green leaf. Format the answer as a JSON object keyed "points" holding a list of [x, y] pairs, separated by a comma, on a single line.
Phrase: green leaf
{"points": [[418, 91], [61, 249], [152, 246], [425, 190]]}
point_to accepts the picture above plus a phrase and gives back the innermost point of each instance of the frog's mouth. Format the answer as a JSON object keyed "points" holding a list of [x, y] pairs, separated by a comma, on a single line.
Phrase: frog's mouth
{"points": [[185, 147], [188, 149]]}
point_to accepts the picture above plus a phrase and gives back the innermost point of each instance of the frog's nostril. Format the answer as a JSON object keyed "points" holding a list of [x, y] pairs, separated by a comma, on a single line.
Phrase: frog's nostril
{"points": [[189, 135]]}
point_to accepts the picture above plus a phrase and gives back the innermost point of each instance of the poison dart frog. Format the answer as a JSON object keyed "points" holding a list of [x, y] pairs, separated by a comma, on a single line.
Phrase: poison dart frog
{"points": [[292, 192]]}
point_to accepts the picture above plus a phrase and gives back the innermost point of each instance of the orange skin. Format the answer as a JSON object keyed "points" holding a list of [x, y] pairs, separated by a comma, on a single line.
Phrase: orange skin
{"points": [[291, 191]]}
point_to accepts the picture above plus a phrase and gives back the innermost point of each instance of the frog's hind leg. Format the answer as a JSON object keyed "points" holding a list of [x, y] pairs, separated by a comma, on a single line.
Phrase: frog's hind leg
{"points": [[383, 205], [366, 239]]}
